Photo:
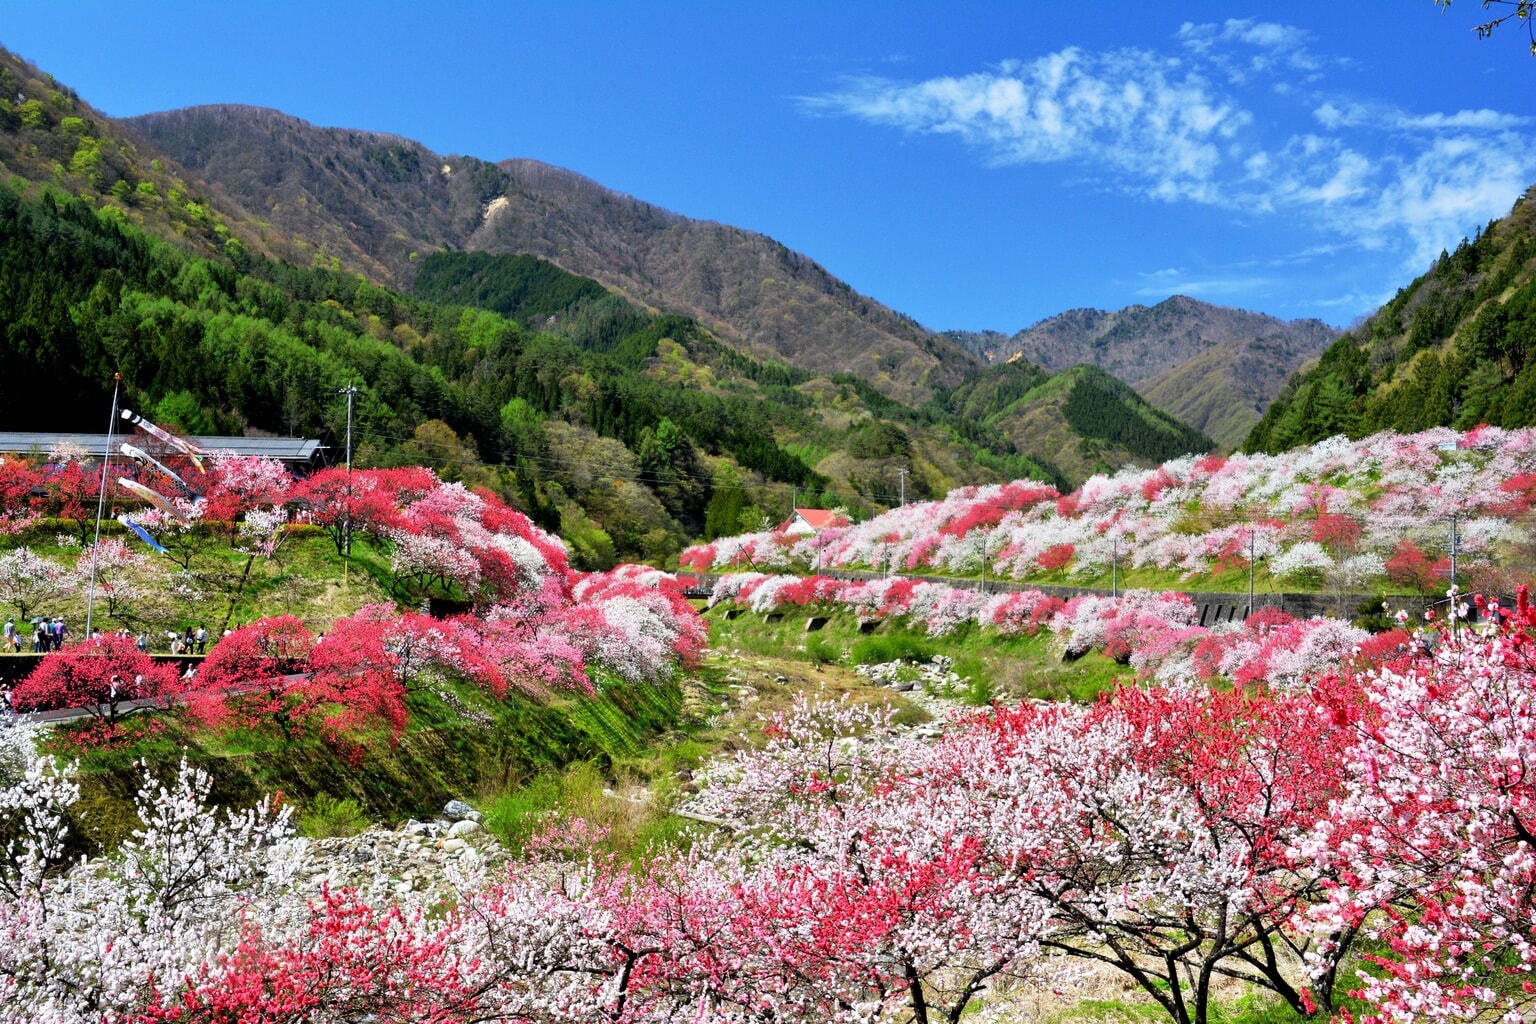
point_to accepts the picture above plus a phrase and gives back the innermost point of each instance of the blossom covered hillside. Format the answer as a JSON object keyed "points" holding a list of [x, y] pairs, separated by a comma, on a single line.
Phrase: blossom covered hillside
{"points": [[533, 624], [1154, 632], [1347, 513]]}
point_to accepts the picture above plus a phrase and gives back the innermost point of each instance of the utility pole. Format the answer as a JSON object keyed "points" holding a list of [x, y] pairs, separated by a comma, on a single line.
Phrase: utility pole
{"points": [[983, 564], [1114, 569], [350, 390], [903, 485], [101, 504], [1250, 572], [1455, 549]]}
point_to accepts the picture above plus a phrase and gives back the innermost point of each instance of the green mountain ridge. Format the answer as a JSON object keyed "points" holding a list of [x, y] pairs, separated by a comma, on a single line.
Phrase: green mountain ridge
{"points": [[1453, 348], [1081, 420], [377, 203], [234, 342], [1214, 367]]}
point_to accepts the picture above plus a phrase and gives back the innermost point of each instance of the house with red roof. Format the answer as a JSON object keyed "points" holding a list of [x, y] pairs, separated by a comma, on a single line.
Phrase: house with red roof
{"points": [[807, 522]]}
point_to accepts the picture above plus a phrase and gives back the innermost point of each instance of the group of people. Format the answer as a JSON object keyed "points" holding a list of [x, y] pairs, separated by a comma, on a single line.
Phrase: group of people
{"points": [[47, 635], [193, 641]]}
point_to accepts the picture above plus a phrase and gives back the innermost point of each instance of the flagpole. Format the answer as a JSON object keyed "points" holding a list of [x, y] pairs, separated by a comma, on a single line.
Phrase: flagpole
{"points": [[101, 504]]}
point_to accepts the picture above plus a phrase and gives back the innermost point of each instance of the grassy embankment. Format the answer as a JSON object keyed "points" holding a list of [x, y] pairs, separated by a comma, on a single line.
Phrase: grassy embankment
{"points": [[999, 667]]}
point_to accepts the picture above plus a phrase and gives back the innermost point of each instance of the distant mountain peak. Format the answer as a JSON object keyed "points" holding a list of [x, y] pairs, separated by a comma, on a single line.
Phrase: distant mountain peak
{"points": [[1214, 367]]}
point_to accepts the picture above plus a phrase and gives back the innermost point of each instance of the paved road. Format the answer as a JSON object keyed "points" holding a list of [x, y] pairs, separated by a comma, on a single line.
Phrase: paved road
{"points": [[124, 707]]}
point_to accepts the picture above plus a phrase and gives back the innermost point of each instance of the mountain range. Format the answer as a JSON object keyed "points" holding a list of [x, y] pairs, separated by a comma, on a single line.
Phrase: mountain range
{"points": [[377, 203], [362, 255], [1214, 367]]}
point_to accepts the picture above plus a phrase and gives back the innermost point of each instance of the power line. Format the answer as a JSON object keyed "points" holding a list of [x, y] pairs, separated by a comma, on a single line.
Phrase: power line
{"points": [[1204, 521]]}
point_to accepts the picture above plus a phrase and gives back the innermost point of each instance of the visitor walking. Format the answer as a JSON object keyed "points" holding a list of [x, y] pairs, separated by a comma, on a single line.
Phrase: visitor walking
{"points": [[202, 638], [10, 635]]}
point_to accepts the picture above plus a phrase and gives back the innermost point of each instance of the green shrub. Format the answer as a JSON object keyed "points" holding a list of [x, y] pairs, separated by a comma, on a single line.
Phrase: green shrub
{"points": [[979, 691], [822, 650], [876, 650], [326, 817]]}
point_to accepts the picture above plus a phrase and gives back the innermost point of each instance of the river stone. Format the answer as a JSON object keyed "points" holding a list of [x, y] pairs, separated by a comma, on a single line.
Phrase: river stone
{"points": [[457, 810], [453, 845], [463, 828]]}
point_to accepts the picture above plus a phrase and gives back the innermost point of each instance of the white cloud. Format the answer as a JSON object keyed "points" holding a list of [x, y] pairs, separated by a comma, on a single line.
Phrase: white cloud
{"points": [[1156, 123], [1159, 284], [1333, 116], [1172, 128], [1280, 46]]}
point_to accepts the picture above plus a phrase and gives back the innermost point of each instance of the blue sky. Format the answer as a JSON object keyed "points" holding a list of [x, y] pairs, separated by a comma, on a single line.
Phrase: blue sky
{"points": [[972, 165]]}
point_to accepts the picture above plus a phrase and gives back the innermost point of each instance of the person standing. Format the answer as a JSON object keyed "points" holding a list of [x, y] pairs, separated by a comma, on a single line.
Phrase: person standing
{"points": [[202, 638], [58, 633], [10, 634]]}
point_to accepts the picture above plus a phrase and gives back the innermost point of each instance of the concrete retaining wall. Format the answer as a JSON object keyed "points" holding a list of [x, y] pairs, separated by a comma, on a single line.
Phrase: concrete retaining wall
{"points": [[1215, 606]]}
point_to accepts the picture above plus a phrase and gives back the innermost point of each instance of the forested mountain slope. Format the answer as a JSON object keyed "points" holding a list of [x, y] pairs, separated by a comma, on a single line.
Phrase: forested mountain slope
{"points": [[1214, 367], [377, 203], [48, 133], [1453, 349], [620, 426], [1081, 421], [1224, 390]]}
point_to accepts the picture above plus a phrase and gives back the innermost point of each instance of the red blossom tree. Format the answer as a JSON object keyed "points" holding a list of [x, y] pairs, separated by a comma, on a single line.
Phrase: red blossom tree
{"points": [[101, 676], [1336, 531], [17, 479], [336, 498], [70, 493], [1056, 557], [255, 675], [1409, 566]]}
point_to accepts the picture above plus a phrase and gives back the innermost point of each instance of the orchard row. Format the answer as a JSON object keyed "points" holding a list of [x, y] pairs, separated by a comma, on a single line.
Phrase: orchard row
{"points": [[1347, 514]]}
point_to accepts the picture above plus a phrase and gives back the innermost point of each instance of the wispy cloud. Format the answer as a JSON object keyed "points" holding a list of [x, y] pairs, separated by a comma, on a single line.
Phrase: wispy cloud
{"points": [[1269, 46], [1175, 127], [1159, 284], [1147, 116]]}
